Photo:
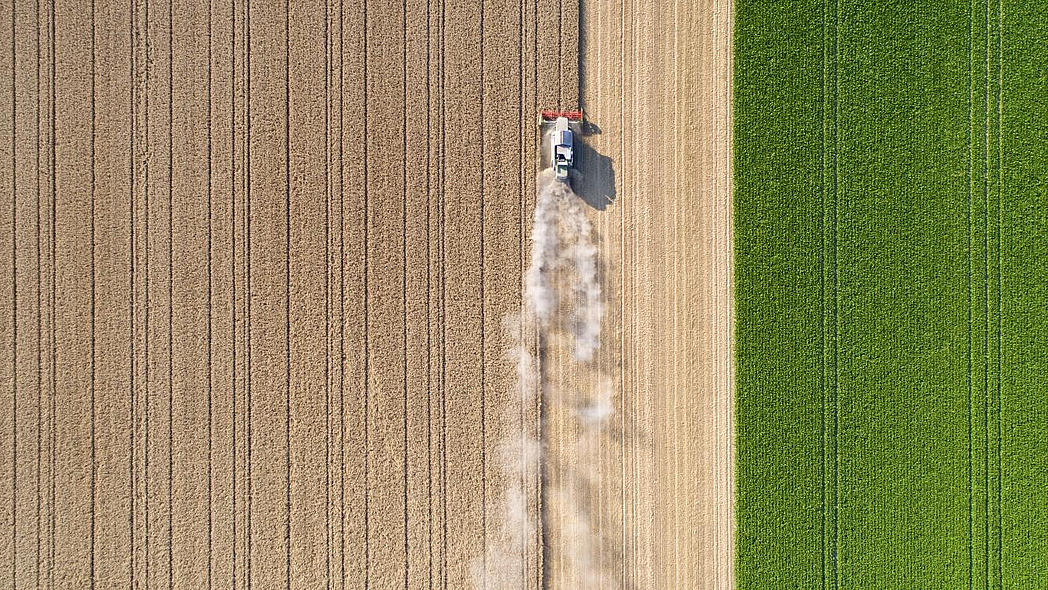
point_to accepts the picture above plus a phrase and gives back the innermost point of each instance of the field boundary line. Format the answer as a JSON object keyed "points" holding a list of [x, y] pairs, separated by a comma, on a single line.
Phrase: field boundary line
{"points": [[483, 317], [429, 291], [404, 279], [328, 536], [442, 249], [971, 181], [14, 306], [93, 530], [986, 295], [287, 294], [233, 287], [971, 288], [822, 302], [1000, 287], [836, 303], [53, 428], [247, 294], [210, 310], [342, 288], [367, 302], [170, 295]]}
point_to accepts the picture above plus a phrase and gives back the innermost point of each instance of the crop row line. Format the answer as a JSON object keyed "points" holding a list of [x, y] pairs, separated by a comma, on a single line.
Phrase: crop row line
{"points": [[830, 540], [985, 314]]}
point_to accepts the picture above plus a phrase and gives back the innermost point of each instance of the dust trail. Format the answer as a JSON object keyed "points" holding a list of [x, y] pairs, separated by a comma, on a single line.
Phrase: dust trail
{"points": [[562, 239], [562, 303]]}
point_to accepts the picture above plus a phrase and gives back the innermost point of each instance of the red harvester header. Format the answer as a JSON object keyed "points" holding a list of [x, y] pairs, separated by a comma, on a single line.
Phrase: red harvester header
{"points": [[570, 115]]}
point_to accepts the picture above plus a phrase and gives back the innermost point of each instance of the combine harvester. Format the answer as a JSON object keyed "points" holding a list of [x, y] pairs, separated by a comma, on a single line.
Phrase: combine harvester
{"points": [[562, 141]]}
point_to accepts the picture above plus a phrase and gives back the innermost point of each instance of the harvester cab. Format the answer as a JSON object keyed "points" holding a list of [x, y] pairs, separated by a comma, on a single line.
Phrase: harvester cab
{"points": [[562, 141], [562, 155]]}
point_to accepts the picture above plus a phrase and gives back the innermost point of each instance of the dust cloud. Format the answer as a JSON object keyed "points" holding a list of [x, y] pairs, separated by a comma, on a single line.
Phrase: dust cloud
{"points": [[563, 306]]}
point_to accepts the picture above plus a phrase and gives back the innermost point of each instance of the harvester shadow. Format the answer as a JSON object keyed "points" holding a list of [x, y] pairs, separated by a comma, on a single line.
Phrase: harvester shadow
{"points": [[594, 180]]}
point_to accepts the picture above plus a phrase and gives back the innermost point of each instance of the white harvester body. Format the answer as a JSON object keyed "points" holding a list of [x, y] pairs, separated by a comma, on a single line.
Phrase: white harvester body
{"points": [[562, 149]]}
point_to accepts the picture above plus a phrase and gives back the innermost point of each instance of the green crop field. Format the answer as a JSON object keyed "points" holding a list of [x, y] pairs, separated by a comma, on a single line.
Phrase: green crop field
{"points": [[891, 244]]}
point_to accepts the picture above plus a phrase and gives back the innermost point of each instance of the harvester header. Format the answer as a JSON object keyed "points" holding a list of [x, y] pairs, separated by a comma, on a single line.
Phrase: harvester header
{"points": [[574, 116]]}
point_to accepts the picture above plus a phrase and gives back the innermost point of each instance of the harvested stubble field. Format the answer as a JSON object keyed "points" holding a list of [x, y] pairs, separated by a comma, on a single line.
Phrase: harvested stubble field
{"points": [[890, 236], [263, 265]]}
